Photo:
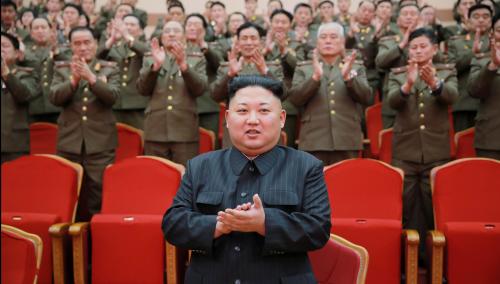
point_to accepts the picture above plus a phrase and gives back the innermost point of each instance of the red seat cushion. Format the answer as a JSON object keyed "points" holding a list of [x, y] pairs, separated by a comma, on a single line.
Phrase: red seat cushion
{"points": [[18, 259], [38, 224], [472, 252], [127, 249], [381, 238]]}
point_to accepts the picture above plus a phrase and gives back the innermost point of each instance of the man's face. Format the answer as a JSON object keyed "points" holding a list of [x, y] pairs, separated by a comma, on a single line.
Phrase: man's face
{"points": [[344, 6], [408, 16], [251, 5], [428, 15], [54, 6], [176, 14], [71, 16], [122, 10], [272, 6], [422, 50], [83, 45], [9, 53], [463, 7], [480, 19], [8, 15], [218, 13], [326, 11], [194, 28], [366, 12], [496, 33], [303, 16], [235, 21], [254, 120], [330, 42], [40, 31], [88, 6], [133, 26], [280, 23], [384, 10], [249, 42], [172, 32]]}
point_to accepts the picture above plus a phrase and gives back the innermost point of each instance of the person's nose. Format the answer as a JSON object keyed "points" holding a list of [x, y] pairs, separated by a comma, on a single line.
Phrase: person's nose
{"points": [[253, 118]]}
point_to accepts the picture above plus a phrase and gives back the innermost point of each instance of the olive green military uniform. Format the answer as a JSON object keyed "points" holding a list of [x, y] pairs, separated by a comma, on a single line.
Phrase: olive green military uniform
{"points": [[330, 123], [87, 127], [219, 88], [171, 123], [454, 30], [460, 53], [258, 20], [421, 140], [18, 90], [129, 106], [484, 84], [106, 16]]}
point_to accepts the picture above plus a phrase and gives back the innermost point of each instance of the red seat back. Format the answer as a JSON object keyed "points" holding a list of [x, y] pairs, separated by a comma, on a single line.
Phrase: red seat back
{"points": [[464, 140], [466, 190], [385, 142], [21, 256], [339, 262], [140, 185], [373, 115], [207, 140], [222, 121], [130, 142], [364, 188], [43, 138]]}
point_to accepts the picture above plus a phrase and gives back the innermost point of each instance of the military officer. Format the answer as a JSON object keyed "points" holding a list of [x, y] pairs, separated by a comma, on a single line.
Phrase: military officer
{"points": [[330, 90], [18, 88], [173, 80], [223, 45], [461, 50], [460, 15], [484, 83], [9, 16], [251, 62], [344, 16], [175, 12], [125, 47], [421, 93], [86, 89], [251, 13], [303, 31]]}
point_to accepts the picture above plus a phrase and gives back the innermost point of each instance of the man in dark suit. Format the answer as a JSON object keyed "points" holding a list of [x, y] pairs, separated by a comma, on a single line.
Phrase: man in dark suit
{"points": [[251, 213]]}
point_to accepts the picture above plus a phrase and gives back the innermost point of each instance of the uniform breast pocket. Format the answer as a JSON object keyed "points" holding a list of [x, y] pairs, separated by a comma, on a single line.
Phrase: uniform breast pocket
{"points": [[209, 202], [281, 199]]}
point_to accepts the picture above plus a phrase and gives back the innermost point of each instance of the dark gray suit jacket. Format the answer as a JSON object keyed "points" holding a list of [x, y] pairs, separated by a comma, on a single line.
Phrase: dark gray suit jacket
{"points": [[297, 217]]}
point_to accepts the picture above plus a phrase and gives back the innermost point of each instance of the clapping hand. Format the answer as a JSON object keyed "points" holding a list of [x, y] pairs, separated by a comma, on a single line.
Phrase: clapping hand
{"points": [[428, 74], [247, 218], [348, 62], [317, 67], [177, 51], [158, 53], [411, 76], [476, 46], [235, 64]]}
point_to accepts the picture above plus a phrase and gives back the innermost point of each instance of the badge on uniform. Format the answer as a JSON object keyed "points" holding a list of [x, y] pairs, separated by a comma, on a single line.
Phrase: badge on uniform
{"points": [[103, 78]]}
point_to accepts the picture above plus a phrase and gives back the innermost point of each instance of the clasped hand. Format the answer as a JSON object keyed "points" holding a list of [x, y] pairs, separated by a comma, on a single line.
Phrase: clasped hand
{"points": [[246, 218]]}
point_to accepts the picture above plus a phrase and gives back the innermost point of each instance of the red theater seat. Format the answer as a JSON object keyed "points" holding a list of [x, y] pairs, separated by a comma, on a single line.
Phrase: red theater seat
{"points": [[21, 256], [40, 195], [127, 241], [464, 141], [373, 116], [43, 138], [339, 262], [466, 195], [130, 142], [207, 140], [385, 142], [366, 201]]}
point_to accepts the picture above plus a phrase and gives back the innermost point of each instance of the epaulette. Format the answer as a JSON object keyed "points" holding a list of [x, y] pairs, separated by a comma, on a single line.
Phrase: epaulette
{"points": [[25, 69], [195, 54], [359, 62], [214, 44], [60, 64], [455, 37], [448, 66], [482, 55], [389, 37], [224, 63], [274, 62], [305, 62], [105, 63], [148, 53], [398, 70]]}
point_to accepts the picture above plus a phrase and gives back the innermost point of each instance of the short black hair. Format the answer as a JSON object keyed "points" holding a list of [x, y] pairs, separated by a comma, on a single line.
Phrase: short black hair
{"points": [[7, 3], [81, 29], [25, 10], [12, 38], [479, 6], [382, 1], [408, 4], [300, 5], [77, 7], [428, 33], [324, 2], [250, 25], [367, 1], [217, 3], [197, 15], [281, 11], [237, 13], [141, 23], [176, 4], [240, 82], [41, 18]]}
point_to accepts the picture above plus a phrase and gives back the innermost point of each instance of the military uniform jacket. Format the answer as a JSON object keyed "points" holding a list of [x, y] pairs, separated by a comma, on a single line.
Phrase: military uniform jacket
{"points": [[87, 117], [17, 91], [365, 42], [460, 53], [171, 115], [331, 119], [421, 128], [129, 60], [485, 85]]}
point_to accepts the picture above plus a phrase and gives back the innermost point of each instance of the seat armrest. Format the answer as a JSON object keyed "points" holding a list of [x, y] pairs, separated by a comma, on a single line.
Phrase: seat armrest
{"points": [[435, 246], [411, 241], [61, 252], [171, 263], [80, 235]]}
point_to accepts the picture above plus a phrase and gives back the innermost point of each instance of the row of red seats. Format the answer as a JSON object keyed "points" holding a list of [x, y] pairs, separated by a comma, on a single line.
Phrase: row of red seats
{"points": [[39, 195]]}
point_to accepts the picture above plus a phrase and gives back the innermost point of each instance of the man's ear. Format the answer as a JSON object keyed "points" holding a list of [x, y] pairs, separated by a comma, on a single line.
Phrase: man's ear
{"points": [[225, 116], [282, 118]]}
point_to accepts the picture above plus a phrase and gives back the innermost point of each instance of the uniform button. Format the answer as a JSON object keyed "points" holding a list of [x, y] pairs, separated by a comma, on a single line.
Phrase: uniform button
{"points": [[421, 94], [84, 118], [332, 92], [86, 89], [126, 61], [332, 102], [243, 194], [237, 281], [170, 107], [85, 99], [44, 75], [84, 108], [422, 127], [362, 38], [421, 105], [422, 115], [125, 76], [332, 84], [124, 84], [251, 169], [171, 77], [45, 63], [45, 84], [332, 112], [169, 98], [237, 248], [170, 87], [125, 68]]}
